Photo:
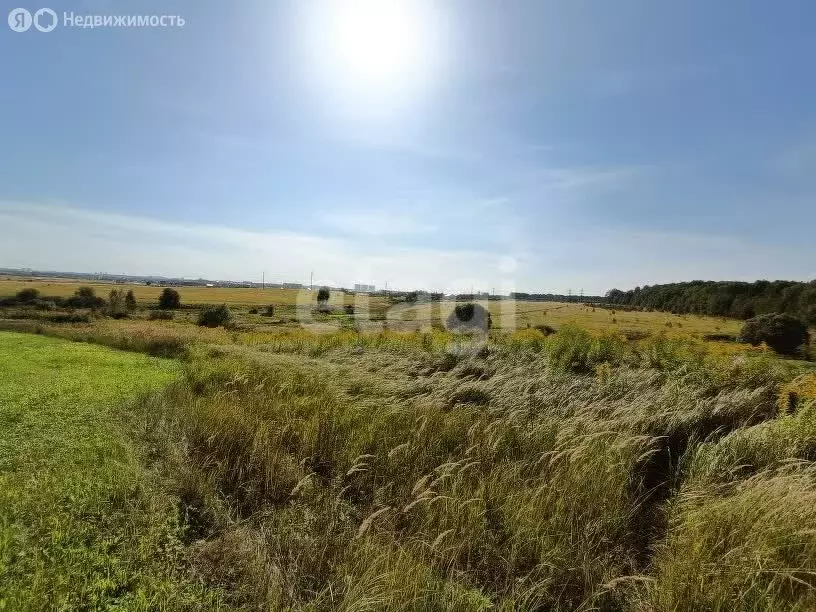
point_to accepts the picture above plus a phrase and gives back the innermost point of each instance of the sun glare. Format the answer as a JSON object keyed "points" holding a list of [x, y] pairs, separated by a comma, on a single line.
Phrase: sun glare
{"points": [[373, 50]]}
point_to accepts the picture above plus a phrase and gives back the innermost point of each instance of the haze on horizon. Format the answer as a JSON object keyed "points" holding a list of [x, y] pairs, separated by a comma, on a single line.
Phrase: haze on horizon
{"points": [[438, 144]]}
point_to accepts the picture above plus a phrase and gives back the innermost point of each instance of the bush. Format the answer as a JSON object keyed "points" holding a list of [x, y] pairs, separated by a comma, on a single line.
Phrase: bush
{"points": [[169, 299], [215, 316], [269, 311], [130, 300], [27, 296], [469, 317], [161, 315], [784, 333], [85, 297], [323, 295], [545, 329]]}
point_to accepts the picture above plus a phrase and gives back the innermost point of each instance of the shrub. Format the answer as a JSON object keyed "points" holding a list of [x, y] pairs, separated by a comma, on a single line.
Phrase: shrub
{"points": [[784, 333], [85, 297], [469, 317], [169, 299], [545, 329], [161, 315], [27, 296], [130, 300], [323, 295], [253, 311], [349, 309], [215, 316], [269, 311]]}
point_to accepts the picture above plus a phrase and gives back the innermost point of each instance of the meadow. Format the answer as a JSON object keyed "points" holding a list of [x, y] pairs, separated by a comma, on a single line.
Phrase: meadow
{"points": [[268, 466]]}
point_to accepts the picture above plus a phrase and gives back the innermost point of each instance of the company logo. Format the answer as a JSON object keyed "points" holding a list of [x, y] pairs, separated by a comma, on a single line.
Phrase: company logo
{"points": [[19, 19], [44, 20]]}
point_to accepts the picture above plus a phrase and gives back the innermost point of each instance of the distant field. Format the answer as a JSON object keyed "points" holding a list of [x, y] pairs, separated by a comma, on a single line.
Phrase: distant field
{"points": [[508, 315], [150, 293], [505, 314]]}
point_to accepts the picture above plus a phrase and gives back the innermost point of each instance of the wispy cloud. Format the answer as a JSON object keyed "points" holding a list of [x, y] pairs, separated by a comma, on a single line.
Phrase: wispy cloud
{"points": [[375, 223], [86, 240]]}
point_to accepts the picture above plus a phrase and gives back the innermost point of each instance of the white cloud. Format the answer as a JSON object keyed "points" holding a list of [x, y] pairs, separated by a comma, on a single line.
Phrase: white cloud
{"points": [[53, 237], [375, 223], [56, 237]]}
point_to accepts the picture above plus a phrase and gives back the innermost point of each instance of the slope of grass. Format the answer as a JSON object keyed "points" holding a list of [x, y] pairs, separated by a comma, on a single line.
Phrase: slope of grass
{"points": [[81, 526]]}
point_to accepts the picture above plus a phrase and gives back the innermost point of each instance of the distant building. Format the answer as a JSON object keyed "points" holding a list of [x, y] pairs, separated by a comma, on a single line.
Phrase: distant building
{"points": [[358, 288], [292, 286]]}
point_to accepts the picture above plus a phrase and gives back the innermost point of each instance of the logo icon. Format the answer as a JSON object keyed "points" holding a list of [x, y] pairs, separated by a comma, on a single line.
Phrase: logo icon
{"points": [[45, 20], [19, 19]]}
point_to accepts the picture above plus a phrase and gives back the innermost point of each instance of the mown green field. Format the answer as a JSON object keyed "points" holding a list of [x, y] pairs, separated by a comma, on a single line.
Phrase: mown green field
{"points": [[82, 525]]}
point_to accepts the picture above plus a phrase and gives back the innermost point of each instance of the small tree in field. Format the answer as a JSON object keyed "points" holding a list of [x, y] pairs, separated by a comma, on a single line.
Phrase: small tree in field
{"points": [[214, 316], [130, 300], [323, 295], [784, 333], [169, 299], [116, 305]]}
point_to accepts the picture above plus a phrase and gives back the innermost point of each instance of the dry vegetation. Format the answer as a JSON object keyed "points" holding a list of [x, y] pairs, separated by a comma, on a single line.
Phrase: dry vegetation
{"points": [[422, 470]]}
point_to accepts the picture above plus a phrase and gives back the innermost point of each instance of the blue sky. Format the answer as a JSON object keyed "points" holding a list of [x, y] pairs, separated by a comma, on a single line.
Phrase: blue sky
{"points": [[530, 145]]}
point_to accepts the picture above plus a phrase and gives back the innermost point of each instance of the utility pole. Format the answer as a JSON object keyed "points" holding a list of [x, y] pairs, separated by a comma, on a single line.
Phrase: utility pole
{"points": [[263, 281], [311, 281]]}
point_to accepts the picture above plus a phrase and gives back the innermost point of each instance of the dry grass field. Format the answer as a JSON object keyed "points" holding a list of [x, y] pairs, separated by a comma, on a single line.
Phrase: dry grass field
{"points": [[289, 470], [506, 315]]}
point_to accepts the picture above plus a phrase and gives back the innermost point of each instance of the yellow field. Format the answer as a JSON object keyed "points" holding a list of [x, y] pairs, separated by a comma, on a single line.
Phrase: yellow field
{"points": [[509, 315], [505, 314], [145, 294]]}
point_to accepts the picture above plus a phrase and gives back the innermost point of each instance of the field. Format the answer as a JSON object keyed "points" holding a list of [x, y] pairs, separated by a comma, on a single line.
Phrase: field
{"points": [[78, 526], [268, 466], [295, 305]]}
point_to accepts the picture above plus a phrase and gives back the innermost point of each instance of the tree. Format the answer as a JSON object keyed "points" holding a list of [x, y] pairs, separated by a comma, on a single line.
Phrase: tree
{"points": [[130, 300], [214, 316], [116, 305], [169, 299], [411, 297], [469, 317], [323, 295], [784, 333], [85, 297]]}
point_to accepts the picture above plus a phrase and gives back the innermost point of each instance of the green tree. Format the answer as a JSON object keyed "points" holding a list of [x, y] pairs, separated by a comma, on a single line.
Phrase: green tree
{"points": [[28, 296], [169, 299], [130, 300], [784, 333], [323, 295]]}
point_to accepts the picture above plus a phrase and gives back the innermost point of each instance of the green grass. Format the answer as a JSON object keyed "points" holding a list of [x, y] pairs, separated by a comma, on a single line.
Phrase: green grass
{"points": [[81, 526], [403, 471]]}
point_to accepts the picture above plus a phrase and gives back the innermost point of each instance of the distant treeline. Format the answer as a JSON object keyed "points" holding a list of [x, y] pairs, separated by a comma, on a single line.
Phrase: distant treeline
{"points": [[555, 297], [724, 298]]}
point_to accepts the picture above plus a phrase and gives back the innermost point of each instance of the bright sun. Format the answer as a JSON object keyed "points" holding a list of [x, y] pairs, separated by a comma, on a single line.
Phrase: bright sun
{"points": [[373, 49]]}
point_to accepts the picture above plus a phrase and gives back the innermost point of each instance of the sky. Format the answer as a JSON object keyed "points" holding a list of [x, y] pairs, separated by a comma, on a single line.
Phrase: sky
{"points": [[528, 145]]}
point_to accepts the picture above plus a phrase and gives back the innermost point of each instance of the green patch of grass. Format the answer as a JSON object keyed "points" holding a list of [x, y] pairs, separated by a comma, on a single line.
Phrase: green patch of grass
{"points": [[81, 524]]}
